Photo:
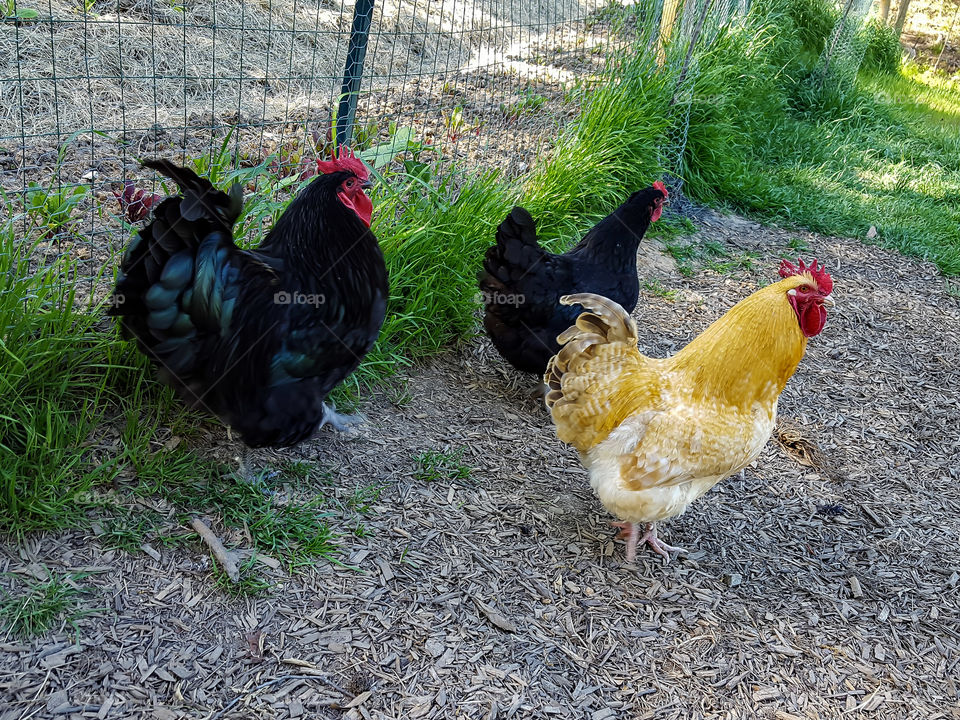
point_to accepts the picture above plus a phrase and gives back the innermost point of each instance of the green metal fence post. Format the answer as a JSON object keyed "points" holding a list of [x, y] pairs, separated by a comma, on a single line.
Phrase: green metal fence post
{"points": [[353, 69]]}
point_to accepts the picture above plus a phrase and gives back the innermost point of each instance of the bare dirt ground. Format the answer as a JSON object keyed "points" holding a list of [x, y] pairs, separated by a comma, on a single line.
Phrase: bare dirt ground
{"points": [[809, 594], [932, 27]]}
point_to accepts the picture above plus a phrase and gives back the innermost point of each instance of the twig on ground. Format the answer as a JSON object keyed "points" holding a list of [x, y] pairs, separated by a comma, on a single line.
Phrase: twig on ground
{"points": [[222, 555]]}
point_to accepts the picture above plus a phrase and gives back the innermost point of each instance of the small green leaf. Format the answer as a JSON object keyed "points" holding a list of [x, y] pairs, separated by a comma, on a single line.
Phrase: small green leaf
{"points": [[380, 155], [417, 169]]}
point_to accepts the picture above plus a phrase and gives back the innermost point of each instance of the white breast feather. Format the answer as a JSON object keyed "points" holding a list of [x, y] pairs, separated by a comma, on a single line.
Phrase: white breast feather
{"points": [[673, 479]]}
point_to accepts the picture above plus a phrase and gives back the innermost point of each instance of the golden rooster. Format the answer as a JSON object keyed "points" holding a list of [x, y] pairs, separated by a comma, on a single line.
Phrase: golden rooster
{"points": [[656, 434]]}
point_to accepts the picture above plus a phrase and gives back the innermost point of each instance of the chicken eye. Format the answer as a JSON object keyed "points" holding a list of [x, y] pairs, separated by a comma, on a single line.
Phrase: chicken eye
{"points": [[350, 183]]}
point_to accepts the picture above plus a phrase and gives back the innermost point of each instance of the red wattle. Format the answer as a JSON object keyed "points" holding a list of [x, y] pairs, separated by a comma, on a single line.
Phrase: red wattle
{"points": [[812, 319], [360, 204]]}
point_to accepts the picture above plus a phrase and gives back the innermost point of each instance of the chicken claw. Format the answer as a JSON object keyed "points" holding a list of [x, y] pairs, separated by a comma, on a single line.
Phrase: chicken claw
{"points": [[247, 474], [539, 391], [340, 421], [631, 533]]}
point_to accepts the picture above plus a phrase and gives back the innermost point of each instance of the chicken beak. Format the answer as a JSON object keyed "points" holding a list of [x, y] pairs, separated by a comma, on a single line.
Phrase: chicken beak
{"points": [[366, 184], [828, 300]]}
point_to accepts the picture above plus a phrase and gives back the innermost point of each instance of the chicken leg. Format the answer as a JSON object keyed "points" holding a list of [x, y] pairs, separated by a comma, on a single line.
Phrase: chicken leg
{"points": [[247, 472], [339, 421], [631, 533]]}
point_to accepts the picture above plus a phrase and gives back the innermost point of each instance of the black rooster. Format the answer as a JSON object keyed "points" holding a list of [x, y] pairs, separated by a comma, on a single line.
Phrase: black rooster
{"points": [[260, 337], [521, 283]]}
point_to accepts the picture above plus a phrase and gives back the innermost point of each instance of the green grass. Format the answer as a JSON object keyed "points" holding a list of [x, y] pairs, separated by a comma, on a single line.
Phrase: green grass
{"points": [[128, 528], [528, 101], [712, 255], [658, 289], [434, 465], [286, 516], [61, 375], [35, 607], [296, 531], [887, 155], [599, 160], [892, 160], [433, 238], [363, 497]]}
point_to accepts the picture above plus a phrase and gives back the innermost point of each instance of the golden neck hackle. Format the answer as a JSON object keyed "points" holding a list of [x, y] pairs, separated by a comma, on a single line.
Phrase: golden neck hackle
{"points": [[747, 356]]}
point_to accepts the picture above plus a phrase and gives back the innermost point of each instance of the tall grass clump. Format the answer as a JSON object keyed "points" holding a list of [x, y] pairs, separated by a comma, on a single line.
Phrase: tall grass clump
{"points": [[738, 98], [883, 52], [54, 378], [809, 22], [433, 236], [611, 151]]}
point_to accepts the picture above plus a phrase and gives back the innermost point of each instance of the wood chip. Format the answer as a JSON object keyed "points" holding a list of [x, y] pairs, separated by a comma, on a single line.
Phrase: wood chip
{"points": [[359, 699], [151, 551], [781, 715], [855, 588], [385, 570], [768, 693], [786, 650]]}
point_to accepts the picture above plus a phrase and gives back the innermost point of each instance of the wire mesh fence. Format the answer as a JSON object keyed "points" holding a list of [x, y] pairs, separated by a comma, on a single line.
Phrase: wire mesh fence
{"points": [[88, 88], [841, 57]]}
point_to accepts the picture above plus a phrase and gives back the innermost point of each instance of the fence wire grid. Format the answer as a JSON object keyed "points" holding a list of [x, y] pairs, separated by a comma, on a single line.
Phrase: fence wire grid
{"points": [[88, 88], [843, 53]]}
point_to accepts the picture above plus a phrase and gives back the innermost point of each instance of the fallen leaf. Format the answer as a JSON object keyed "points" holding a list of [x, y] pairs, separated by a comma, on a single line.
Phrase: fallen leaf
{"points": [[498, 619]]}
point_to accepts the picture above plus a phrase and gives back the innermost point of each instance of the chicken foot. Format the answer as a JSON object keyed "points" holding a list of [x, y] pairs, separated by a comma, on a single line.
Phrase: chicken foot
{"points": [[631, 533], [246, 466], [539, 391], [340, 421], [246, 471]]}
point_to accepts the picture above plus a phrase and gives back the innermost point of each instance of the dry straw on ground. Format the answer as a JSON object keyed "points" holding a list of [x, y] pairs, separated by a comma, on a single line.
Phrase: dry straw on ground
{"points": [[133, 64]]}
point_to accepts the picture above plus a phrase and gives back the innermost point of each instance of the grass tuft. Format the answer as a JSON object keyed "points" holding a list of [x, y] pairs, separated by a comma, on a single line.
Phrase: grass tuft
{"points": [[888, 155], [434, 465], [657, 288], [295, 530], [39, 606]]}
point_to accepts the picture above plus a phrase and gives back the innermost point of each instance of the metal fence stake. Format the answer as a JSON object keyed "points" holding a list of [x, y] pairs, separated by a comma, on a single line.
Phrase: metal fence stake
{"points": [[353, 69]]}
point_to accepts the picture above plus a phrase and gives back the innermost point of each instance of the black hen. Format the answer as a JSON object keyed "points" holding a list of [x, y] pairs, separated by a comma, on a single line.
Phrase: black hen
{"points": [[257, 337], [521, 283]]}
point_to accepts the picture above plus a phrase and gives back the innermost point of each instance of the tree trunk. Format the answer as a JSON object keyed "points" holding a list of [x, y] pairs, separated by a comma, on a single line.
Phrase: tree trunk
{"points": [[884, 11], [901, 16]]}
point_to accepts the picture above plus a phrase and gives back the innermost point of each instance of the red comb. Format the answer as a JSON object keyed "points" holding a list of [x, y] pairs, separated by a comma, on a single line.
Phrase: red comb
{"points": [[662, 188], [819, 274], [345, 161]]}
